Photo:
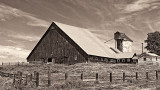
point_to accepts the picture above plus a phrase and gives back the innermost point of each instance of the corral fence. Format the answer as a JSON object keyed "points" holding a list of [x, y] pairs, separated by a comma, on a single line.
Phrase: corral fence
{"points": [[20, 80], [13, 63], [22, 63]]}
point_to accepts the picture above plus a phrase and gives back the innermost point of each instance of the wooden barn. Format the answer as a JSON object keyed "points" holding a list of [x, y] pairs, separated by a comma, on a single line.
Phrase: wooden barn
{"points": [[64, 44], [69, 45]]}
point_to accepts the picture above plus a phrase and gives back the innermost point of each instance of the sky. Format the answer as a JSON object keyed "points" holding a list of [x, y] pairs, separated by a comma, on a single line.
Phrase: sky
{"points": [[23, 22]]}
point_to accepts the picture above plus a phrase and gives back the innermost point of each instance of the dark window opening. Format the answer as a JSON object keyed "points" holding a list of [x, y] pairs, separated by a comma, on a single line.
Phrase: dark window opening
{"points": [[144, 59], [49, 59]]}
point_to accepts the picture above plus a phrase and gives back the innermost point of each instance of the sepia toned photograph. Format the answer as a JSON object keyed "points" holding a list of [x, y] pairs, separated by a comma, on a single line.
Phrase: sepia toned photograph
{"points": [[79, 44]]}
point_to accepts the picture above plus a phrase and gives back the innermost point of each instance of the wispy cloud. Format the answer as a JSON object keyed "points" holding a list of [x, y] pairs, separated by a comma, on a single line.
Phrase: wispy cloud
{"points": [[14, 52], [24, 37], [7, 13], [140, 5]]}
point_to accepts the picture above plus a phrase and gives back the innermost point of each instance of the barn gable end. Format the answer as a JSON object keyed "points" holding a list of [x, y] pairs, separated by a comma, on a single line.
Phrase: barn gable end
{"points": [[57, 47]]}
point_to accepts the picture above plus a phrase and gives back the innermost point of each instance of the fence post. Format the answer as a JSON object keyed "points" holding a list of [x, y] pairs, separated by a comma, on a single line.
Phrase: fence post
{"points": [[37, 79], [2, 63], [110, 77], [34, 74], [81, 76], [31, 76], [147, 75], [20, 78], [66, 76], [9, 75], [96, 76], [18, 63], [49, 76], [136, 75], [26, 79], [2, 74], [123, 76], [14, 79], [156, 75]]}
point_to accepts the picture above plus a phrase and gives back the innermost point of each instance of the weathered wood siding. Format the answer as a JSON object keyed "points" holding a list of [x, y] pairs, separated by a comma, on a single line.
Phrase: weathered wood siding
{"points": [[56, 44]]}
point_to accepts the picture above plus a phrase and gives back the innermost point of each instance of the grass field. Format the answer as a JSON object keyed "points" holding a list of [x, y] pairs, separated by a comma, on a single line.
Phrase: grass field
{"points": [[89, 70]]}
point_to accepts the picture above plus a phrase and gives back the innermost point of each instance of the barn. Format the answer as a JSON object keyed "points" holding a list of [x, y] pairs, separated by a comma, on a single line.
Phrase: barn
{"points": [[65, 44]]}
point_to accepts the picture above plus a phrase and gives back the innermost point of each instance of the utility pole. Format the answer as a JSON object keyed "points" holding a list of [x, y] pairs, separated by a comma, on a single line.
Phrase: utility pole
{"points": [[142, 47]]}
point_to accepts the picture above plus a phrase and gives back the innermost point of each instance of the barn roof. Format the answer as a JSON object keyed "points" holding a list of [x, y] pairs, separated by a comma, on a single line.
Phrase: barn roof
{"points": [[86, 40], [124, 36], [124, 55]]}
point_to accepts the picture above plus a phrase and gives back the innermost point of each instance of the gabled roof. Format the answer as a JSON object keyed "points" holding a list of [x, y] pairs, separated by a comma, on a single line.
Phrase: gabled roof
{"points": [[86, 40], [126, 38], [124, 55], [123, 36]]}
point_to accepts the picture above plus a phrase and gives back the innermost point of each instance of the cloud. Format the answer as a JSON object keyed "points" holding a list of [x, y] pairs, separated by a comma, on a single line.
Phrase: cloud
{"points": [[7, 13], [14, 52], [25, 37], [140, 5], [11, 41]]}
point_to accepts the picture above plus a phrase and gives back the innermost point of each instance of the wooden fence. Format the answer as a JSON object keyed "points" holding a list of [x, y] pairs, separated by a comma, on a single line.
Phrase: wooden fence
{"points": [[14, 63], [20, 80]]}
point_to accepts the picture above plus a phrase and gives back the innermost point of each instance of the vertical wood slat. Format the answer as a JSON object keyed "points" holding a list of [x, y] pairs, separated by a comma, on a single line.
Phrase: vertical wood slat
{"points": [[66, 76], [81, 76], [123, 76], [136, 75], [156, 75], [49, 76], [96, 76], [147, 75], [110, 77], [37, 79]]}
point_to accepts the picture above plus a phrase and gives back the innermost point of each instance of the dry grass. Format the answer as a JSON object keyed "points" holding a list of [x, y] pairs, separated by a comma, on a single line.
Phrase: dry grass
{"points": [[88, 70]]}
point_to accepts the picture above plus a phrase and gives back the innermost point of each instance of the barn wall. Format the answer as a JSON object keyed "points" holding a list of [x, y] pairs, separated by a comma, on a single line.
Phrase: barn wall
{"points": [[56, 45], [93, 58]]}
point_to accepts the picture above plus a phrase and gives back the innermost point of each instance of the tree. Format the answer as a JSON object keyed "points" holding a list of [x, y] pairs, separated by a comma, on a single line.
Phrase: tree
{"points": [[153, 42]]}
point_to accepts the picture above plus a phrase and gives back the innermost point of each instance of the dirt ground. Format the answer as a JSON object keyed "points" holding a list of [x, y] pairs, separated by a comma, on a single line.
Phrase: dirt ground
{"points": [[89, 70]]}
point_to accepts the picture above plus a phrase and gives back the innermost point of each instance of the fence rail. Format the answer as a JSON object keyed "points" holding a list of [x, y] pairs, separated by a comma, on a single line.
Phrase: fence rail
{"points": [[20, 80], [13, 63]]}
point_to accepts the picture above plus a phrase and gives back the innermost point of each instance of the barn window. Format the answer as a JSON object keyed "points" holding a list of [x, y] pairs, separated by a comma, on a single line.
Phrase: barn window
{"points": [[128, 60], [91, 58], [102, 59], [96, 58], [144, 59], [123, 60], [105, 59]]}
